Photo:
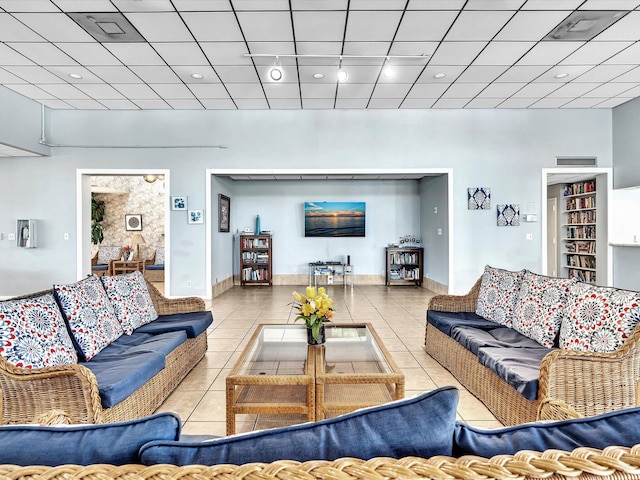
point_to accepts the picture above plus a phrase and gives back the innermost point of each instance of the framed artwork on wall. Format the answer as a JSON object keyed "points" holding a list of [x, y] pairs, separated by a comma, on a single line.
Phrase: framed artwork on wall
{"points": [[178, 203], [508, 215], [195, 217], [133, 222], [224, 213]]}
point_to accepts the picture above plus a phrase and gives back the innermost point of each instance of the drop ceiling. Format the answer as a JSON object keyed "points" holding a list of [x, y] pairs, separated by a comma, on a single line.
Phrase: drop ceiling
{"points": [[491, 53]]}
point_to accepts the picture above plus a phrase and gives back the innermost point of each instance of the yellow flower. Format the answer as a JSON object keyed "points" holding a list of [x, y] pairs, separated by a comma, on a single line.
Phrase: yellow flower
{"points": [[311, 291], [298, 297], [307, 309]]}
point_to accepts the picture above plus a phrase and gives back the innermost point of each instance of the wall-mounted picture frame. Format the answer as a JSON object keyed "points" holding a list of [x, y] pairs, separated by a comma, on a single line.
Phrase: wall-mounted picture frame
{"points": [[133, 222], [479, 198], [224, 213], [195, 217], [179, 203]]}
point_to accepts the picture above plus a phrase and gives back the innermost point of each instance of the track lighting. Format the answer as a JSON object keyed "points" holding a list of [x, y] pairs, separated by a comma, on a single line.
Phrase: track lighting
{"points": [[343, 75], [276, 71]]}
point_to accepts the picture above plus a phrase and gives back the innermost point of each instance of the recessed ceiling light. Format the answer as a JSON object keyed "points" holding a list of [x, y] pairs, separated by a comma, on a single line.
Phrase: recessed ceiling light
{"points": [[388, 71], [343, 76], [562, 75], [77, 76], [440, 75], [318, 76], [197, 75]]}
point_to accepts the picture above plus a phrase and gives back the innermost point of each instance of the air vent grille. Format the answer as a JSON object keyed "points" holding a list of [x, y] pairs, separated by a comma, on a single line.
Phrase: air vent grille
{"points": [[107, 27], [576, 161]]}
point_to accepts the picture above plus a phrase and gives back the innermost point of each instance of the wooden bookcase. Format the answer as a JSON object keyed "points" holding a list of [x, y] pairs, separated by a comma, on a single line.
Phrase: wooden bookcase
{"points": [[255, 259], [404, 266], [579, 231]]}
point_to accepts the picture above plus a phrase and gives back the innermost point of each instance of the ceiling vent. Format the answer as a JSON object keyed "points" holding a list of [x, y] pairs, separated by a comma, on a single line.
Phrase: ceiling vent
{"points": [[107, 27], [576, 161], [583, 25]]}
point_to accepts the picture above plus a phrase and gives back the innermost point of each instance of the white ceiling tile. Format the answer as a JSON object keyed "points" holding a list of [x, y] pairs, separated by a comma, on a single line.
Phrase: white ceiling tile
{"points": [[64, 72], [152, 104], [594, 53], [330, 74], [517, 103], [632, 92], [500, 90], [265, 5], [451, 73], [418, 103], [503, 53], [391, 91], [182, 53], [534, 90], [185, 72], [252, 104], [552, 4], [55, 27], [630, 76], [549, 53], [550, 103], [7, 77], [610, 90], [135, 91], [30, 91], [228, 53], [135, 53], [237, 74], [572, 90], [245, 90], [55, 104], [100, 91], [266, 26], [184, 104], [424, 26], [627, 28], [115, 74], [34, 74], [456, 53], [425, 49], [610, 5], [369, 26], [451, 103], [367, 48], [209, 91], [312, 48], [583, 103], [604, 73], [155, 74], [281, 90], [484, 102], [317, 103], [312, 90], [377, 4], [43, 53], [477, 25], [213, 26], [138, 6], [11, 30], [355, 90], [493, 4], [482, 73], [28, 6], [630, 56], [426, 90], [319, 4], [84, 6], [464, 90], [172, 90], [321, 26], [574, 71], [401, 74], [9, 56], [530, 25], [285, 103], [384, 103], [88, 53], [160, 27], [202, 5], [436, 4], [118, 104], [612, 102], [218, 104], [64, 91]]}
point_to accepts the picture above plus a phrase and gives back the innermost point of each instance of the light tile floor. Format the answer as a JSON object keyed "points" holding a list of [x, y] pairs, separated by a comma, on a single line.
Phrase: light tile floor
{"points": [[397, 314]]}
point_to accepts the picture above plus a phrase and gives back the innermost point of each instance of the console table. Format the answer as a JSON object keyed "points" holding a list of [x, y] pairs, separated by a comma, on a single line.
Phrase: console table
{"points": [[330, 269], [127, 266]]}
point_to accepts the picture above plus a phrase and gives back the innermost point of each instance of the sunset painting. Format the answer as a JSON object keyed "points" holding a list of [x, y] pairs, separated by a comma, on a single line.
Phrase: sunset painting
{"points": [[334, 219]]}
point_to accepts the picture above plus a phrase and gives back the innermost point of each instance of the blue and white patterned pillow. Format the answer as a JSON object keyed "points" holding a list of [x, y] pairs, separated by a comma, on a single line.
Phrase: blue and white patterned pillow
{"points": [[130, 299], [91, 318], [33, 333], [159, 256], [498, 295], [599, 319], [106, 254]]}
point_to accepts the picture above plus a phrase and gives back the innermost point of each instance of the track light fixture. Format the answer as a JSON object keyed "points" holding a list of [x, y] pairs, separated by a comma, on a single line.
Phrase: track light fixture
{"points": [[276, 71], [343, 76]]}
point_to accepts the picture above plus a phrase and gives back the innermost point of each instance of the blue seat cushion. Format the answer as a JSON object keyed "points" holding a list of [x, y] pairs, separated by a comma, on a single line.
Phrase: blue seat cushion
{"points": [[154, 267], [99, 267], [616, 428], [108, 443], [474, 338], [445, 321], [194, 323], [130, 362], [519, 367], [419, 426]]}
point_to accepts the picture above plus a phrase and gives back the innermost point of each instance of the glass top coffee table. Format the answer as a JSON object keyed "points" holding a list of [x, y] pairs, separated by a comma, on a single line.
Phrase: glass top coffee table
{"points": [[278, 373]]}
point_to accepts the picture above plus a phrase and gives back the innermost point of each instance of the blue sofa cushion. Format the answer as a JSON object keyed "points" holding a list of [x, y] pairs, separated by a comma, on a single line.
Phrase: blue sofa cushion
{"points": [[194, 323], [130, 362], [473, 338], [110, 443], [616, 428], [154, 267], [420, 426], [519, 367], [445, 321], [99, 267]]}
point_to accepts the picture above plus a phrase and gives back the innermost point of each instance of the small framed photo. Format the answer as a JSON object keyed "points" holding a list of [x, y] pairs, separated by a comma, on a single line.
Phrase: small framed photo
{"points": [[224, 210], [178, 203], [133, 222], [196, 216]]}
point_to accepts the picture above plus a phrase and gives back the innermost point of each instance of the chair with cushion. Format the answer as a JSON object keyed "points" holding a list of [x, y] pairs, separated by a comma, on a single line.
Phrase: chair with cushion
{"points": [[154, 266], [102, 261]]}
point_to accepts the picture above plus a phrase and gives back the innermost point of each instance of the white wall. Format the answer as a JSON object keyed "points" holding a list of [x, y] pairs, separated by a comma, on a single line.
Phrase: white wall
{"points": [[501, 149]]}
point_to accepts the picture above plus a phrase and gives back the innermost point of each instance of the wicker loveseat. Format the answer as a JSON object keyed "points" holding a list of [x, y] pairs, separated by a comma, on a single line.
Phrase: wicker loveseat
{"points": [[570, 383], [26, 393]]}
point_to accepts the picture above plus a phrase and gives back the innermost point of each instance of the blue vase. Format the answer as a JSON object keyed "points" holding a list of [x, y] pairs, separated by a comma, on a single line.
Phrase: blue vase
{"points": [[257, 224]]}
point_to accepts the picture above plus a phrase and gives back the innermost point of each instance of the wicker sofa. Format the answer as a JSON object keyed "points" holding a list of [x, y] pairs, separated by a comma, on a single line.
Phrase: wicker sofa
{"points": [[26, 393], [570, 383]]}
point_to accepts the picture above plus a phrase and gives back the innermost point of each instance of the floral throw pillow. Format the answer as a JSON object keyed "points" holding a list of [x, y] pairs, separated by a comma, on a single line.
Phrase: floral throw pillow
{"points": [[498, 295], [130, 299], [599, 319], [159, 256], [106, 254], [33, 333], [91, 318], [540, 308]]}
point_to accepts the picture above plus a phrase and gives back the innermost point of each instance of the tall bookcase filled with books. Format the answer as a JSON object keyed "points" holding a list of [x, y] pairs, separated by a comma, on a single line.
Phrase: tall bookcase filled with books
{"points": [[404, 266], [579, 226], [255, 259]]}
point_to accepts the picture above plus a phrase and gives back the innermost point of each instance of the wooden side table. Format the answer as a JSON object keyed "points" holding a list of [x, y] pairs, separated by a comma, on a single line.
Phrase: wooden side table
{"points": [[127, 266]]}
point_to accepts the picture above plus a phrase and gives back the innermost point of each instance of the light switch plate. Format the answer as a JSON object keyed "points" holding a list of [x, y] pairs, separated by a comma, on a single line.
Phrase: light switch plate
{"points": [[11, 236]]}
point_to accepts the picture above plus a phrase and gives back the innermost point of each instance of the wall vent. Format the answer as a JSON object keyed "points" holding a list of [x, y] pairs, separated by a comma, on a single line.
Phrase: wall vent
{"points": [[576, 161]]}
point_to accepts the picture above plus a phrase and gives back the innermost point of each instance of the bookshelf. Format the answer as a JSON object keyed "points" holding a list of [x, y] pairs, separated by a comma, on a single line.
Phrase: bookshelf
{"points": [[255, 259], [404, 266], [579, 227]]}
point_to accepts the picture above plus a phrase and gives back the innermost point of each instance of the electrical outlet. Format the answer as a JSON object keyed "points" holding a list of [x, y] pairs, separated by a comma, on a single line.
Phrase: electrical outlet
{"points": [[439, 231], [1, 236], [66, 236], [529, 236], [188, 283], [11, 236]]}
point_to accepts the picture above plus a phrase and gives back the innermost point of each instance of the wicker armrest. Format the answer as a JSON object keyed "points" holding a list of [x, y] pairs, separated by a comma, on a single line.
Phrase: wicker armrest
{"points": [[457, 303], [169, 306], [151, 260], [26, 394], [554, 409]]}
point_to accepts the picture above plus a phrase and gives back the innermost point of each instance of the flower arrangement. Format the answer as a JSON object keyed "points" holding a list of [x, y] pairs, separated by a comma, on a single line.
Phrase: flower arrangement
{"points": [[314, 309], [127, 253]]}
